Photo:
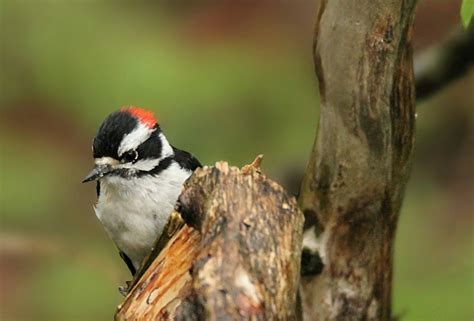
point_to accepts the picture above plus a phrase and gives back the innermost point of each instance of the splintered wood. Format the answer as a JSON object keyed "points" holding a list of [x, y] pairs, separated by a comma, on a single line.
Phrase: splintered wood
{"points": [[166, 281]]}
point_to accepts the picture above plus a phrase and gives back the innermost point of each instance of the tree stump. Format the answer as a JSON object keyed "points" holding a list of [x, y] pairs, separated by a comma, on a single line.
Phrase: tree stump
{"points": [[238, 258]]}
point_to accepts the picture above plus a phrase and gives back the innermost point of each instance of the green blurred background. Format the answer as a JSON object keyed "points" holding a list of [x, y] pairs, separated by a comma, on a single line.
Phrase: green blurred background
{"points": [[228, 80]]}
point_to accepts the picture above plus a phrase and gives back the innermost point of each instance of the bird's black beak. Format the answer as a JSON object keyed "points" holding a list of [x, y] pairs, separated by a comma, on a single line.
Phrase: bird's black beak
{"points": [[99, 171]]}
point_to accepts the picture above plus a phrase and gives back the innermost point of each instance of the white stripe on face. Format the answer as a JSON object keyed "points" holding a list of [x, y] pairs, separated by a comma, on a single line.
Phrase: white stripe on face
{"points": [[142, 165], [149, 163], [106, 161], [135, 138]]}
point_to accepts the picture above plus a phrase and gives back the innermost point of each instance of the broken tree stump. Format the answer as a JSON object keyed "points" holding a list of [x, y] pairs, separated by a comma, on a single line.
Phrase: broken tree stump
{"points": [[237, 259]]}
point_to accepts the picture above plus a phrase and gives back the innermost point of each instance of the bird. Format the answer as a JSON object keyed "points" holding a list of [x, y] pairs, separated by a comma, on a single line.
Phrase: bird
{"points": [[139, 178]]}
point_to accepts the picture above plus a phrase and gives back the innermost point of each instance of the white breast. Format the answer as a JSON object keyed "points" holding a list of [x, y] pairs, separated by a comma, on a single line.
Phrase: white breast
{"points": [[134, 211]]}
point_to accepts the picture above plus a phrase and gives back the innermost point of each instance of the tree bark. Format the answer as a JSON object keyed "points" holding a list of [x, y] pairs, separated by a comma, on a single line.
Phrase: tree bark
{"points": [[354, 184], [166, 282], [239, 260]]}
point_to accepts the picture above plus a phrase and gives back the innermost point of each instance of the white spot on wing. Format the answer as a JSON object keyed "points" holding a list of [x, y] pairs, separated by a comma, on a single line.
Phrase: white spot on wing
{"points": [[166, 149]]}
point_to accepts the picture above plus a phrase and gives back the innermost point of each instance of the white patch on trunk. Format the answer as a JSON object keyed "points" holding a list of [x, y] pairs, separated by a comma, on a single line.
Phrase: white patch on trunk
{"points": [[310, 241], [245, 284]]}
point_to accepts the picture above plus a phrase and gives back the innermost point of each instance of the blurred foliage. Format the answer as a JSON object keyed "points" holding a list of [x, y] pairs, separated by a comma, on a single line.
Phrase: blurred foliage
{"points": [[467, 12], [227, 81]]}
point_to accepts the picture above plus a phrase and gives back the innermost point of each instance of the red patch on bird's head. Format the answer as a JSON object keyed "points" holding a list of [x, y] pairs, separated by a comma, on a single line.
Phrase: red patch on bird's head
{"points": [[144, 116]]}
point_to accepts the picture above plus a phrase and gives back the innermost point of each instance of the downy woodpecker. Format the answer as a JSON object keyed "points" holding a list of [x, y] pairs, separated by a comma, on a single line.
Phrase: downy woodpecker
{"points": [[139, 177]]}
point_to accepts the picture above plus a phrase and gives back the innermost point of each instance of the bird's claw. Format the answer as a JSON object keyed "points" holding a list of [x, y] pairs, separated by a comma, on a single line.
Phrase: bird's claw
{"points": [[124, 289]]}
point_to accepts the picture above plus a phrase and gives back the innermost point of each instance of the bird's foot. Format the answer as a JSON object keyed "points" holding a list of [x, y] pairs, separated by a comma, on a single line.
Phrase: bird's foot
{"points": [[124, 289]]}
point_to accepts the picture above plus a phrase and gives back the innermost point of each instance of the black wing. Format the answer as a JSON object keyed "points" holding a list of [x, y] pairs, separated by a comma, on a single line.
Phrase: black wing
{"points": [[185, 159]]}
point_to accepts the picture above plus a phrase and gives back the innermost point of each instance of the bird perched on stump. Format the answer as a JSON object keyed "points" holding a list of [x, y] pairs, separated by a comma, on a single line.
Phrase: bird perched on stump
{"points": [[139, 177]]}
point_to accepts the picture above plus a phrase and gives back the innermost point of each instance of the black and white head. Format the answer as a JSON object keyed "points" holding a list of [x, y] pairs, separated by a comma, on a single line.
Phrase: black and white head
{"points": [[130, 144]]}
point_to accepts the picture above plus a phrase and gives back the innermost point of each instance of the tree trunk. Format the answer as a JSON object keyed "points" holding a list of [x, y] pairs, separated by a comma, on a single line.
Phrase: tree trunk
{"points": [[355, 180], [240, 260]]}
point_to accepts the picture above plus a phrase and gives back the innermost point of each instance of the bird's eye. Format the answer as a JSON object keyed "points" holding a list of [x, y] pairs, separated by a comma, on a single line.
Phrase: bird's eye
{"points": [[130, 156]]}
